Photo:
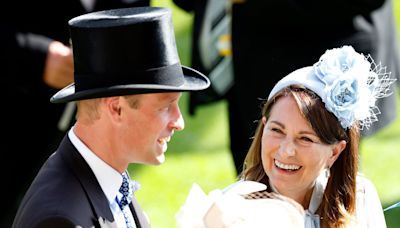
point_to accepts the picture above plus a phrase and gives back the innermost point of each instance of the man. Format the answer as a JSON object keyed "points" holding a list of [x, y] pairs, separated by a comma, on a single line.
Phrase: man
{"points": [[128, 81], [35, 62]]}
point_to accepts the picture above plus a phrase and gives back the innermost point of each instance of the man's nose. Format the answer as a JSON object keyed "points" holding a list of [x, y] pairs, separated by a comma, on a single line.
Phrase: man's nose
{"points": [[179, 124]]}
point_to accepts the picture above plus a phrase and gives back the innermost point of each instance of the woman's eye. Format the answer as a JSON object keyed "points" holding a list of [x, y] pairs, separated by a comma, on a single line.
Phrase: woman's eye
{"points": [[307, 139], [277, 130]]}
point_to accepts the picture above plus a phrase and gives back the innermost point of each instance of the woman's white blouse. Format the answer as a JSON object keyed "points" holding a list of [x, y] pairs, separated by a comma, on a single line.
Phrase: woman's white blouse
{"points": [[369, 212]]}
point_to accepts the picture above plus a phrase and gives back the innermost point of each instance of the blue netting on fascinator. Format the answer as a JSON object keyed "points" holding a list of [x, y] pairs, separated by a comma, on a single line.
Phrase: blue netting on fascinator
{"points": [[348, 83]]}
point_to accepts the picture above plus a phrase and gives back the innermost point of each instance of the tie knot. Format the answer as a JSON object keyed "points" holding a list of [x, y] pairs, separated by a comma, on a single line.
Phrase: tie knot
{"points": [[126, 190]]}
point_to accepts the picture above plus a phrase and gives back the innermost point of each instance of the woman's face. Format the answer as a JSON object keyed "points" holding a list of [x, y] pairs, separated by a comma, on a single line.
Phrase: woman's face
{"points": [[292, 154]]}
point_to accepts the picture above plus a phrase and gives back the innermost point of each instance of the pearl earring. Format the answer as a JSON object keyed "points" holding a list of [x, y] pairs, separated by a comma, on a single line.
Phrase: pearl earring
{"points": [[327, 172]]}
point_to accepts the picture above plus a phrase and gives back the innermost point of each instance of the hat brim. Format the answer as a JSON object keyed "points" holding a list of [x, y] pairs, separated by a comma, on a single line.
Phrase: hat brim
{"points": [[193, 81]]}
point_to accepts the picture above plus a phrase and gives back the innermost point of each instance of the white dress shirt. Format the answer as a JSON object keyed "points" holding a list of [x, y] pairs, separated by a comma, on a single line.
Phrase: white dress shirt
{"points": [[110, 180]]}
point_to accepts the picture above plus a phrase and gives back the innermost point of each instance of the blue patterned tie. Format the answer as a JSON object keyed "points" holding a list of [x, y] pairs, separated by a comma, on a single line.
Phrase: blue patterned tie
{"points": [[126, 189]]}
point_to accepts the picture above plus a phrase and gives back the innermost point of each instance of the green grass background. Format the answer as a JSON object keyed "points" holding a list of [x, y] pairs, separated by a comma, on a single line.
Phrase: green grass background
{"points": [[200, 153]]}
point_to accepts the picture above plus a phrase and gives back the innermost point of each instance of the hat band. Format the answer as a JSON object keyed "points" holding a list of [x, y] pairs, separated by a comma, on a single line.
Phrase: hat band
{"points": [[171, 75]]}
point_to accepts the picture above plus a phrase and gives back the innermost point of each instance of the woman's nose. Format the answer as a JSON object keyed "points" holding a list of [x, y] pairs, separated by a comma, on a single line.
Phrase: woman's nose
{"points": [[287, 148]]}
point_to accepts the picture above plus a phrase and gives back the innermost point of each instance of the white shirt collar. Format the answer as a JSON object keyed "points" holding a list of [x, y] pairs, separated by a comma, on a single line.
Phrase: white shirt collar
{"points": [[109, 179]]}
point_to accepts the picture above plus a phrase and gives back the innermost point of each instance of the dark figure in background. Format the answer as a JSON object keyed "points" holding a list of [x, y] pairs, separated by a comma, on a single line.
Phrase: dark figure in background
{"points": [[37, 32], [280, 36], [211, 53]]}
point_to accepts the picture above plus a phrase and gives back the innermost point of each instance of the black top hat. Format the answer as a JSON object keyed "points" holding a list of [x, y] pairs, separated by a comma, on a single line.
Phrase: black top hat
{"points": [[126, 51]]}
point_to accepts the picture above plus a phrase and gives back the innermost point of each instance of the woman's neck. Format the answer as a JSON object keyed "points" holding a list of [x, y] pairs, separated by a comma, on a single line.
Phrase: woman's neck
{"points": [[301, 197]]}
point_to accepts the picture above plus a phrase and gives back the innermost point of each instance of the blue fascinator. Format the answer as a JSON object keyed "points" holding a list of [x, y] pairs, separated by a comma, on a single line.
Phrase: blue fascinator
{"points": [[348, 83]]}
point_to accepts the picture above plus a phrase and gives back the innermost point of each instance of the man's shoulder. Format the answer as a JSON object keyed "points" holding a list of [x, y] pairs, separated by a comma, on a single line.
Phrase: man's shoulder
{"points": [[48, 201]]}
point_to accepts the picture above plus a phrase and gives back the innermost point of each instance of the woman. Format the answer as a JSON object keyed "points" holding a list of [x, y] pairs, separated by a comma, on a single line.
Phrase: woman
{"points": [[307, 143]]}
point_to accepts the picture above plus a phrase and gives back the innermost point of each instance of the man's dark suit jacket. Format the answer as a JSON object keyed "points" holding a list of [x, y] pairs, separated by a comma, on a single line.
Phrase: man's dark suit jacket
{"points": [[66, 193]]}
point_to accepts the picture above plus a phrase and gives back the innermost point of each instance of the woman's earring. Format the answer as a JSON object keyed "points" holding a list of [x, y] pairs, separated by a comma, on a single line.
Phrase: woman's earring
{"points": [[327, 172]]}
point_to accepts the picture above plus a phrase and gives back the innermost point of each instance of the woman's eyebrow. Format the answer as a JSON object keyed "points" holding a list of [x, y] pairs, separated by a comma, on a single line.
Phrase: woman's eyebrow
{"points": [[301, 132], [278, 123]]}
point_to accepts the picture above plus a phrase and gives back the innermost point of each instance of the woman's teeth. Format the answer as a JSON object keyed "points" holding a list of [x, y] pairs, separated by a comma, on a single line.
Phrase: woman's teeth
{"points": [[286, 167]]}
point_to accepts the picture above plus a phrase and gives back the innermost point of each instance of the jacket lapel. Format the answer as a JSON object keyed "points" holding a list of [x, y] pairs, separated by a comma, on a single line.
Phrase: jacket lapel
{"points": [[86, 177], [99, 202], [140, 217]]}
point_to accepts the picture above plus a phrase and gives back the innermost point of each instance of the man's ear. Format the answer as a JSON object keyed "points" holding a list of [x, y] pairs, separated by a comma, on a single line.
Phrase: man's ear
{"points": [[336, 151], [113, 106]]}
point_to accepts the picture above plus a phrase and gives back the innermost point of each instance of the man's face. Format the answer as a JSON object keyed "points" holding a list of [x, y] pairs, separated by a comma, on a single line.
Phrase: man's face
{"points": [[147, 129]]}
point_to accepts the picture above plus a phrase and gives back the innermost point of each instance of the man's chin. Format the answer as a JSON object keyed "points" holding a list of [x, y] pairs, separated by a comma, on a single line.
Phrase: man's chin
{"points": [[160, 159]]}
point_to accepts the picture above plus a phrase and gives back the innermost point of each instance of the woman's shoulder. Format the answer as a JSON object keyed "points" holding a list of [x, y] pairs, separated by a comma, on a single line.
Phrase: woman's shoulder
{"points": [[363, 184], [369, 210]]}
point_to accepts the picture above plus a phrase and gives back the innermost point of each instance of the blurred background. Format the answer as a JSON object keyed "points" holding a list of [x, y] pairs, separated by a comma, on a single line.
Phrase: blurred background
{"points": [[200, 153]]}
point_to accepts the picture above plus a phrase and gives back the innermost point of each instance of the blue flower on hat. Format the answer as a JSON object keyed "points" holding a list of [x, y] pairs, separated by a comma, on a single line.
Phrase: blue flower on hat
{"points": [[347, 82], [341, 100], [350, 86]]}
